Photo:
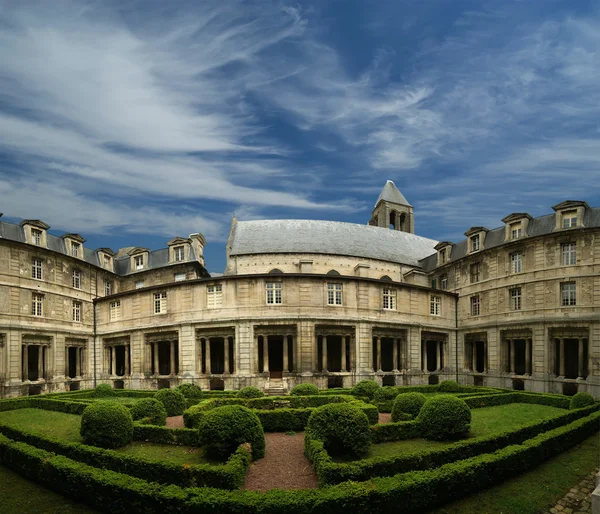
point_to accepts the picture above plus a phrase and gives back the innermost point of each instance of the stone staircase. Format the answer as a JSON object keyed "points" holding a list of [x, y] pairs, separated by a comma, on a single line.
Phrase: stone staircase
{"points": [[276, 387]]}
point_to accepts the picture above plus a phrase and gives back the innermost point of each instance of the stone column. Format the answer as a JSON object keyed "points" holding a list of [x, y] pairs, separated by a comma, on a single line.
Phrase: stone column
{"points": [[423, 355], [235, 364], [561, 351], [226, 354], [156, 370], [485, 357], [25, 362], [378, 343], [41, 363], [474, 356], [77, 361], [265, 354], [256, 343], [207, 356], [344, 366], [171, 357], [395, 354], [580, 358], [324, 347], [528, 356], [438, 356], [286, 359], [113, 356], [512, 356], [127, 351]]}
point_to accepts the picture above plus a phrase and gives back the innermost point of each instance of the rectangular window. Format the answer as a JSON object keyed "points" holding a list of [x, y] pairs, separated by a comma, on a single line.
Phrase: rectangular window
{"points": [[435, 305], [515, 299], [274, 293], [475, 272], [433, 283], [107, 288], [475, 306], [107, 262], [570, 219], [139, 262], [569, 254], [214, 295], [389, 299], [475, 243], [334, 294], [36, 236], [36, 268], [515, 230], [568, 294], [180, 277], [178, 251], [76, 279], [160, 303], [75, 249], [139, 284], [444, 282], [37, 304], [76, 311], [442, 256], [115, 310], [516, 262]]}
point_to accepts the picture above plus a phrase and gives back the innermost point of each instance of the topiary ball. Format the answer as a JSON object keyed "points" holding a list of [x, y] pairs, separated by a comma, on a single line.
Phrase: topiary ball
{"points": [[250, 392], [407, 403], [190, 391], [107, 425], [580, 400], [343, 428], [104, 391], [365, 388], [150, 408], [173, 401], [305, 390], [449, 386], [223, 429], [444, 417], [386, 393]]}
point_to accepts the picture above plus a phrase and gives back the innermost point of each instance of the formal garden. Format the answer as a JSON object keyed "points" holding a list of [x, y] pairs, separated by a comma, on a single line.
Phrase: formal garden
{"points": [[367, 449]]}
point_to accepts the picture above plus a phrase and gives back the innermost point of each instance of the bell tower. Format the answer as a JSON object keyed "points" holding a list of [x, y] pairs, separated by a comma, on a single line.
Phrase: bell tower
{"points": [[392, 210]]}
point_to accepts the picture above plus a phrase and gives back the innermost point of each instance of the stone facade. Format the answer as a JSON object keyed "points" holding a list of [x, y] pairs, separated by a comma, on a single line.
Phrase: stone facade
{"points": [[485, 311]]}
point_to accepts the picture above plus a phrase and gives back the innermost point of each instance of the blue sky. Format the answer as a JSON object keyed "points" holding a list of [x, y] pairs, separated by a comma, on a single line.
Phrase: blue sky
{"points": [[132, 122]]}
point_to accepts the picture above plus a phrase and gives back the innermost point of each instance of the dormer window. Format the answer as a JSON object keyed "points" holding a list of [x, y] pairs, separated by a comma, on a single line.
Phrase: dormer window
{"points": [[515, 230], [75, 249], [179, 253], [569, 219], [139, 262], [107, 261], [444, 250], [475, 243], [443, 256], [36, 236]]}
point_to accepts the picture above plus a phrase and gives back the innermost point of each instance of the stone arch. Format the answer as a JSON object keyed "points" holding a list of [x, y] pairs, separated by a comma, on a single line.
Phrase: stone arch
{"points": [[386, 278], [275, 271], [332, 272], [403, 220], [393, 220]]}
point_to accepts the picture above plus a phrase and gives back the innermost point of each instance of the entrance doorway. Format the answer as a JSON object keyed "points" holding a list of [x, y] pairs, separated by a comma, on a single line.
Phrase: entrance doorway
{"points": [[275, 345]]}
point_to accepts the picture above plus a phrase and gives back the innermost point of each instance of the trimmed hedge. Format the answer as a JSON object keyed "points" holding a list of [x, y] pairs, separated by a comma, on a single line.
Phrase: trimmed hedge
{"points": [[190, 391], [250, 392], [449, 386], [415, 491], [107, 425], [104, 391], [580, 400], [410, 403], [331, 473], [164, 435], [444, 417], [342, 427], [304, 390], [223, 429], [173, 401], [151, 409], [366, 389]]}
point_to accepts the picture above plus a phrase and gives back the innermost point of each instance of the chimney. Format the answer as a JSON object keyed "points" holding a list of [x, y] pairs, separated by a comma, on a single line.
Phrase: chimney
{"points": [[198, 244]]}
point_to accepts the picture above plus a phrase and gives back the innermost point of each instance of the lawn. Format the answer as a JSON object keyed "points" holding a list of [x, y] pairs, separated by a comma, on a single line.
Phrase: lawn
{"points": [[66, 426], [485, 421]]}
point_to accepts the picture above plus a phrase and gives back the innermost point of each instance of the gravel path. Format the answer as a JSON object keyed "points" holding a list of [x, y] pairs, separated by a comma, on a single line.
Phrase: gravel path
{"points": [[175, 422], [385, 417], [283, 467]]}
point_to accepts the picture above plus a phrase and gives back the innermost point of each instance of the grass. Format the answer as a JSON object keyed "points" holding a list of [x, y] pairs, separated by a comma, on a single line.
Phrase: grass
{"points": [[167, 453], [535, 491], [485, 421]]}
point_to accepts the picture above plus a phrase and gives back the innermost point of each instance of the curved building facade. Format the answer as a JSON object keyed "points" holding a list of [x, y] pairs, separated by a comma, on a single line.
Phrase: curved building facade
{"points": [[308, 301]]}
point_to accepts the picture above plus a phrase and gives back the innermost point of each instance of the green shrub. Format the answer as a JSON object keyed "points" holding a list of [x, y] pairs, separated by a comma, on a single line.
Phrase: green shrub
{"points": [[305, 390], [449, 386], [151, 409], [408, 403], [342, 427], [107, 425], [580, 400], [173, 401], [366, 388], [444, 417], [190, 391], [386, 393], [250, 392], [104, 391], [223, 429]]}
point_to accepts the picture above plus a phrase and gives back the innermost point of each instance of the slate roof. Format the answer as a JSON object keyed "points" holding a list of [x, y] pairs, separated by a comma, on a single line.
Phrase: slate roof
{"points": [[495, 237], [390, 193], [331, 238]]}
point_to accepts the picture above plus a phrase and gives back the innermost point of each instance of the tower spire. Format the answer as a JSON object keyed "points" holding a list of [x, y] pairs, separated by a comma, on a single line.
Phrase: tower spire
{"points": [[392, 210]]}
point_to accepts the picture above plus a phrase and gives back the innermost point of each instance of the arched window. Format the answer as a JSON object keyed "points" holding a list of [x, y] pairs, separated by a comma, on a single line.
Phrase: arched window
{"points": [[393, 220], [386, 278], [333, 272], [275, 271], [403, 221]]}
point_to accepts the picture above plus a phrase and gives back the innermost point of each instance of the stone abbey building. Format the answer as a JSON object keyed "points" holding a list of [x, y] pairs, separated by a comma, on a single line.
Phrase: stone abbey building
{"points": [[308, 301]]}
